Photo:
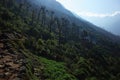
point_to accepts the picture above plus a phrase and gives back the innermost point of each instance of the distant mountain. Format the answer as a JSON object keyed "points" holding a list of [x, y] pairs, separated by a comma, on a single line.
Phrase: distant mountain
{"points": [[110, 24]]}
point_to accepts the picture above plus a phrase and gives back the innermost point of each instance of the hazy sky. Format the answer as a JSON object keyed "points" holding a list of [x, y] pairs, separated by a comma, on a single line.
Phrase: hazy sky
{"points": [[103, 13], [95, 8]]}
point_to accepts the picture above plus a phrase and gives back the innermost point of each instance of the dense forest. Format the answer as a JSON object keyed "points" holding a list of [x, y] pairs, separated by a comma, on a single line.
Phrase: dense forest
{"points": [[54, 47]]}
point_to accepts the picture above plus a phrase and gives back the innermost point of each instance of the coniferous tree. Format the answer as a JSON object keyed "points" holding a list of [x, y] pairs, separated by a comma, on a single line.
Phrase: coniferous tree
{"points": [[65, 29], [38, 17], [33, 17], [75, 32], [43, 16], [59, 31], [51, 21]]}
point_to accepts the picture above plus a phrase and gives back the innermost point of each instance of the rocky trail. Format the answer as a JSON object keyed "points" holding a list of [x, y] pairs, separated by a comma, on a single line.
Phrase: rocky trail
{"points": [[12, 63]]}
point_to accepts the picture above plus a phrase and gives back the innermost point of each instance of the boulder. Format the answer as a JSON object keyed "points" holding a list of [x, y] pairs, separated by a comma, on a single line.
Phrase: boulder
{"points": [[37, 74], [8, 65], [7, 69], [22, 69], [2, 66], [16, 61], [8, 74], [2, 75], [1, 56], [1, 45]]}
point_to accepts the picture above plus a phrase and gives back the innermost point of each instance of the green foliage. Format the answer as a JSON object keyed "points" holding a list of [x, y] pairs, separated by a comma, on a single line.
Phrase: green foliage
{"points": [[40, 45], [55, 70]]}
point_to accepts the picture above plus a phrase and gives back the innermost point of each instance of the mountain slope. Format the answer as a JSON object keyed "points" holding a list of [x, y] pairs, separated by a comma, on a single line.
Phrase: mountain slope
{"points": [[55, 47], [62, 12]]}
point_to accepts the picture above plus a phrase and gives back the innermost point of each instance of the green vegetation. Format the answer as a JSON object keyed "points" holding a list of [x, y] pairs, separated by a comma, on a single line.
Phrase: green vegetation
{"points": [[55, 70], [56, 48]]}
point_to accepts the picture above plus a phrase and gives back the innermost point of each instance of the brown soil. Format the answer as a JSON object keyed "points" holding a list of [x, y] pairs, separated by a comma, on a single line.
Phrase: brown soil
{"points": [[11, 65]]}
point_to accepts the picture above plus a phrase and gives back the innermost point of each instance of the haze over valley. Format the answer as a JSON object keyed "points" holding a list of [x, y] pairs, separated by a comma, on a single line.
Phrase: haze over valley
{"points": [[103, 13]]}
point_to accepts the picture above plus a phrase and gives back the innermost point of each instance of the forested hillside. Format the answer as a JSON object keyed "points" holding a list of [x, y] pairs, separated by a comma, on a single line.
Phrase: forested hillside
{"points": [[54, 47]]}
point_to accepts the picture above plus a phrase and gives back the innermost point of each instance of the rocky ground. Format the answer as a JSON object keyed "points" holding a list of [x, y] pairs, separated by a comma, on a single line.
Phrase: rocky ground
{"points": [[12, 63]]}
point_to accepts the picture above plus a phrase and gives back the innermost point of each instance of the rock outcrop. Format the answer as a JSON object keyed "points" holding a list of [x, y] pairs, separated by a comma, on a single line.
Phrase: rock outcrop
{"points": [[12, 63]]}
